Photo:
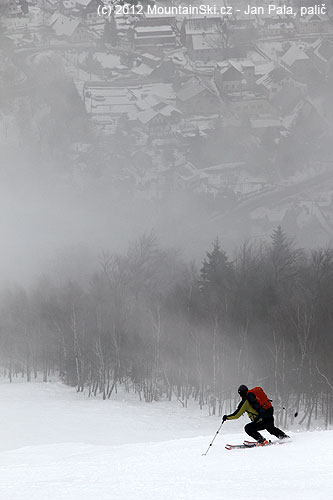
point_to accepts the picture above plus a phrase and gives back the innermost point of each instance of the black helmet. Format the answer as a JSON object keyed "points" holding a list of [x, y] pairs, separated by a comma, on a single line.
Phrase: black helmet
{"points": [[242, 390]]}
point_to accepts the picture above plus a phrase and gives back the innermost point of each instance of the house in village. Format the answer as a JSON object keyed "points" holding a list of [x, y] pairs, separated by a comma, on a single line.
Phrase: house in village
{"points": [[235, 75], [249, 104], [159, 121], [67, 7], [234, 177], [143, 37], [154, 68], [106, 105], [87, 11], [273, 26], [322, 56], [313, 23], [275, 80], [147, 108], [184, 175], [308, 118], [228, 78], [262, 125], [198, 96], [68, 29], [203, 37], [296, 60], [156, 20], [50, 6], [281, 89], [13, 9], [206, 46]]}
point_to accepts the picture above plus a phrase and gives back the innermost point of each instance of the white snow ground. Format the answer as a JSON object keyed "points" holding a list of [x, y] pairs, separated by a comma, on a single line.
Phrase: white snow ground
{"points": [[56, 444]]}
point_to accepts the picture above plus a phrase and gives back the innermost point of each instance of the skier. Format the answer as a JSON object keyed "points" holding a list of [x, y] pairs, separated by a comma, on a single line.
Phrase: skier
{"points": [[260, 411]]}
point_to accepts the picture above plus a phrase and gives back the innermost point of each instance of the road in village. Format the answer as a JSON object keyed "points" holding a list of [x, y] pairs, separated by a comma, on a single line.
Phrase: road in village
{"points": [[229, 224], [278, 194]]}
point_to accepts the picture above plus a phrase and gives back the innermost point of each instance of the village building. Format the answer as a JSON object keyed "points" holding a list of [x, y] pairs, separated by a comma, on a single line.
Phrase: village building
{"points": [[308, 117], [266, 124], [198, 25], [235, 75], [313, 23], [296, 60], [50, 6], [288, 97], [154, 69], [158, 121], [249, 104], [203, 37], [85, 10], [281, 89], [67, 7], [322, 56], [155, 20], [143, 37], [185, 176], [198, 96], [143, 107], [68, 29], [275, 26], [228, 78], [275, 80], [234, 177], [13, 9], [206, 46]]}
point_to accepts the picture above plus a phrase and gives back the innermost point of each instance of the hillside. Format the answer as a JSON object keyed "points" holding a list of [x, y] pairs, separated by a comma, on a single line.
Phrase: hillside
{"points": [[58, 444]]}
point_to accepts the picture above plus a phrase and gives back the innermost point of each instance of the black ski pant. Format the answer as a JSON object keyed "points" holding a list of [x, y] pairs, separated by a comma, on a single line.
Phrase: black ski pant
{"points": [[261, 425]]}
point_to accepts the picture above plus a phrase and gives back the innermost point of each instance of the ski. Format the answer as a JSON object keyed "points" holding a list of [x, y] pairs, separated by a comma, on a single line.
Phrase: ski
{"points": [[253, 444], [236, 446]]}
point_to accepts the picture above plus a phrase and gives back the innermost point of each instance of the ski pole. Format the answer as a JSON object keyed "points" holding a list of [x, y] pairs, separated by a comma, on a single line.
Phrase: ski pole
{"points": [[218, 430]]}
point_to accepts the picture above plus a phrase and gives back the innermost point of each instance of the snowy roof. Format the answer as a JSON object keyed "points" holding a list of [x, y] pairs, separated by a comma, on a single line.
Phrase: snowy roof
{"points": [[194, 87], [293, 54], [222, 167], [148, 55], [187, 170], [107, 60], [238, 64], [265, 123], [84, 3], [325, 50], [169, 110], [199, 25], [142, 70], [208, 41], [146, 116], [274, 77], [63, 25], [147, 102], [112, 108], [311, 18], [154, 29]]}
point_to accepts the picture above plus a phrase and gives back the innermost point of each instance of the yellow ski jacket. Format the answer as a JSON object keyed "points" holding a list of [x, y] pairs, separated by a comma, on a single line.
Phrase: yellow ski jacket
{"points": [[244, 406]]}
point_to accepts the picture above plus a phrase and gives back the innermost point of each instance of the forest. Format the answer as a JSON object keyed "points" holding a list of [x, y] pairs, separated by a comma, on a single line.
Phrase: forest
{"points": [[166, 328]]}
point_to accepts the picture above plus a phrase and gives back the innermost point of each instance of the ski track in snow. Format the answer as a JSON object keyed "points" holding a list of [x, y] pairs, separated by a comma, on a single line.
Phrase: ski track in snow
{"points": [[56, 444]]}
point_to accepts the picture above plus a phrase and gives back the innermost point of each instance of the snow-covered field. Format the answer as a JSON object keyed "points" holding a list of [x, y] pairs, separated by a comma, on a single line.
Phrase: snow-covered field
{"points": [[56, 444]]}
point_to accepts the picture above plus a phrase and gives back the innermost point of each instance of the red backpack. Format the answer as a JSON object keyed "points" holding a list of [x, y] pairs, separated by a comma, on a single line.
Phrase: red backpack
{"points": [[260, 397]]}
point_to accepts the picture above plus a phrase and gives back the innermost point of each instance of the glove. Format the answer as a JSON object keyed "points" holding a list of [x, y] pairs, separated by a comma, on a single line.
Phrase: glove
{"points": [[224, 418]]}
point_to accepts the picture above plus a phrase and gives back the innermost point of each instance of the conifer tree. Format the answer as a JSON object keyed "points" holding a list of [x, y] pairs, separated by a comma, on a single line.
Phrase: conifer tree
{"points": [[216, 277]]}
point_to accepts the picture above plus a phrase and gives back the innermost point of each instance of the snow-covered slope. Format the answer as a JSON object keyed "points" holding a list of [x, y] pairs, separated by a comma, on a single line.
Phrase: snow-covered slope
{"points": [[56, 444]]}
